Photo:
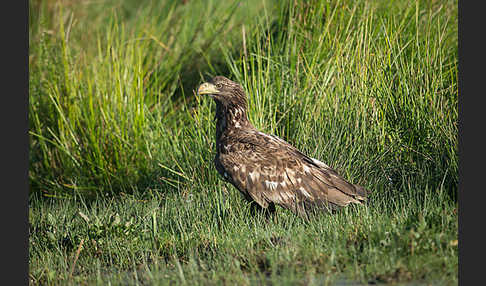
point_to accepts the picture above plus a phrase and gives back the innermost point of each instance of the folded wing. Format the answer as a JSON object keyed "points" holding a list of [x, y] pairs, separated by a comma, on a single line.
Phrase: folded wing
{"points": [[276, 172]]}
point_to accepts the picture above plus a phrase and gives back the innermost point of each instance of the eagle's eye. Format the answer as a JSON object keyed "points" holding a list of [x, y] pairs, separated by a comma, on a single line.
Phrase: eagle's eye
{"points": [[219, 85]]}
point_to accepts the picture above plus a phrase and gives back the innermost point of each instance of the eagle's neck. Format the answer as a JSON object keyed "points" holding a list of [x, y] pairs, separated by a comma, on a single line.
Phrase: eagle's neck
{"points": [[229, 119]]}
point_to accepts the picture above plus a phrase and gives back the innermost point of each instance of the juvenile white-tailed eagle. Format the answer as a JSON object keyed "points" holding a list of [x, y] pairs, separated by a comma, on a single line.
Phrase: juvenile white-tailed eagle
{"points": [[265, 168]]}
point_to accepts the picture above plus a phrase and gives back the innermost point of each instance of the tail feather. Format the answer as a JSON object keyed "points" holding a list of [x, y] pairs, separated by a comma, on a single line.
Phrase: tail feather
{"points": [[362, 193]]}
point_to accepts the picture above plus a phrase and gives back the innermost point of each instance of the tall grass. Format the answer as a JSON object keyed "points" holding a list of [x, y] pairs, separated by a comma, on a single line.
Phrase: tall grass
{"points": [[103, 82], [109, 91], [369, 87], [370, 92]]}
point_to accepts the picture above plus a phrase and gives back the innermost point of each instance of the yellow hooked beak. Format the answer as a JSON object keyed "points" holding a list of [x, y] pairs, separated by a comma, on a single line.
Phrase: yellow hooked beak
{"points": [[207, 88]]}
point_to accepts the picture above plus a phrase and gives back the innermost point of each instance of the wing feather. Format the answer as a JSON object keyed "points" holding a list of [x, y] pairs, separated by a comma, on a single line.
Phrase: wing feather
{"points": [[272, 171]]}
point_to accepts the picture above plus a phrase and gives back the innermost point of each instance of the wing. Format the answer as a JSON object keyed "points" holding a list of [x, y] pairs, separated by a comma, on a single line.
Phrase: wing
{"points": [[270, 170]]}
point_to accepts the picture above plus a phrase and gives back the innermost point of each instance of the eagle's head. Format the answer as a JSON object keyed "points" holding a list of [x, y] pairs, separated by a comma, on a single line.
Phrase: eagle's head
{"points": [[224, 91]]}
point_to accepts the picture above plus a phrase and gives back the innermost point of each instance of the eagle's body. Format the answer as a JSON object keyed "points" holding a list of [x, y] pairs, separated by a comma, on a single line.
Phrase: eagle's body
{"points": [[265, 168]]}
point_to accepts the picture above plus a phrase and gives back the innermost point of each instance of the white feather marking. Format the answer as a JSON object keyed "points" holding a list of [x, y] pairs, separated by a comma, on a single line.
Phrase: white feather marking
{"points": [[270, 184], [235, 168], [304, 192], [320, 164], [272, 138], [299, 180], [283, 184], [254, 175], [306, 168]]}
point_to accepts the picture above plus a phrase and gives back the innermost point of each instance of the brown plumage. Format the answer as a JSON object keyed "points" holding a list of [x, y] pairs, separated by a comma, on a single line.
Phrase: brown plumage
{"points": [[265, 168]]}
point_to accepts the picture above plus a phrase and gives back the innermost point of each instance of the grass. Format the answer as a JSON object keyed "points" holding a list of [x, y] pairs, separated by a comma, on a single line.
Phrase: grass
{"points": [[122, 187], [164, 239]]}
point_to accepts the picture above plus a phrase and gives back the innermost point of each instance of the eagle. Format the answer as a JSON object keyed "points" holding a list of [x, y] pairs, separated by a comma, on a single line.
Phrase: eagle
{"points": [[267, 170]]}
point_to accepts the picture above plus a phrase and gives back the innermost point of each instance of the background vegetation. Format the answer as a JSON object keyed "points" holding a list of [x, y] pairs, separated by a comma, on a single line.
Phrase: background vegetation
{"points": [[122, 186]]}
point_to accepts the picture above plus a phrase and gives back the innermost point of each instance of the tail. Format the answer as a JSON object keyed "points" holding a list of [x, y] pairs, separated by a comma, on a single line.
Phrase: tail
{"points": [[361, 193]]}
